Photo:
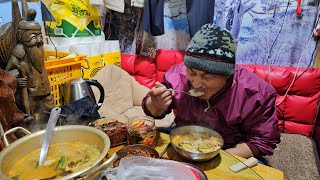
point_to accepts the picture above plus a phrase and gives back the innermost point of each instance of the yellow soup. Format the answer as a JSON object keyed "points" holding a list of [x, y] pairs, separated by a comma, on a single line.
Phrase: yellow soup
{"points": [[197, 142], [62, 159]]}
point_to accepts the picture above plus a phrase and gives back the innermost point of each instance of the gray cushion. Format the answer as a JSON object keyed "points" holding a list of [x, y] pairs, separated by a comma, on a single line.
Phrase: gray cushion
{"points": [[297, 157]]}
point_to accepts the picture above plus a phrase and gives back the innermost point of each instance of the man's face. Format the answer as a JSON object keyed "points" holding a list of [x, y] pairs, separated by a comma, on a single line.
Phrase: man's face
{"points": [[208, 83], [32, 38]]}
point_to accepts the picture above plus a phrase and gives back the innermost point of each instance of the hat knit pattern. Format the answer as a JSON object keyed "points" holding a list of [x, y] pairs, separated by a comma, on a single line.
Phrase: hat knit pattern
{"points": [[211, 50]]}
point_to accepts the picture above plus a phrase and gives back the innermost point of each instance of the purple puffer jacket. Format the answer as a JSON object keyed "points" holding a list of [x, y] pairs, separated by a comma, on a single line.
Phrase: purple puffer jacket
{"points": [[243, 111]]}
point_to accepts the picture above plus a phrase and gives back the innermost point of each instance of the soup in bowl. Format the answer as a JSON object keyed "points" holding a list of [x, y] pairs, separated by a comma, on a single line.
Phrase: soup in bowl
{"points": [[196, 143]]}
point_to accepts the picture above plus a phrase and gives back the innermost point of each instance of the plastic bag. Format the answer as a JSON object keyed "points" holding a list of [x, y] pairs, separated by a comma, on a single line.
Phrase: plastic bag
{"points": [[143, 168], [74, 18]]}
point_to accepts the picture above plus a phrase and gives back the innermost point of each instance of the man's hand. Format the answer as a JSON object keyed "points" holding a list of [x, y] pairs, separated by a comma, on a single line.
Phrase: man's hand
{"points": [[22, 82], [160, 99]]}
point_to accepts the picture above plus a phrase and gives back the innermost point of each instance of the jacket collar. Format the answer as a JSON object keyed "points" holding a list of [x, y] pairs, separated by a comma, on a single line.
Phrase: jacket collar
{"points": [[216, 97]]}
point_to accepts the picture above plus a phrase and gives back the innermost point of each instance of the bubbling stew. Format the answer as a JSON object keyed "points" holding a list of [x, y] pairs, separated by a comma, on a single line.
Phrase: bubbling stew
{"points": [[62, 159]]}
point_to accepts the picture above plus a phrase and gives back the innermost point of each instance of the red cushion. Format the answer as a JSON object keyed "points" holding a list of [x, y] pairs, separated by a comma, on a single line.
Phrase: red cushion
{"points": [[297, 128], [308, 83], [298, 110], [127, 62], [279, 77], [165, 59], [301, 109], [142, 68], [279, 109]]}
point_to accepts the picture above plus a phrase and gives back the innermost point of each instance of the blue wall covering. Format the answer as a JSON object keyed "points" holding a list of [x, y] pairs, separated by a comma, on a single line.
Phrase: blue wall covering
{"points": [[266, 31], [263, 27]]}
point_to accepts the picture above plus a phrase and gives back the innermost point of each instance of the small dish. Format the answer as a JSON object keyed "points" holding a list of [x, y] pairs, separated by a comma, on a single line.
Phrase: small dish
{"points": [[116, 130], [200, 175]]}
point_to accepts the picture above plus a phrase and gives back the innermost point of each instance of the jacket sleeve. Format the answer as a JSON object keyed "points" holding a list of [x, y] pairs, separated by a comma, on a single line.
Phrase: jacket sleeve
{"points": [[261, 125], [146, 110]]}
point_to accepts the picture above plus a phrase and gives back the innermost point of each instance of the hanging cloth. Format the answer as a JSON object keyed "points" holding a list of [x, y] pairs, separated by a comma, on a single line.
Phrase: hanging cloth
{"points": [[116, 5], [96, 2], [46, 14], [137, 3], [199, 12], [152, 21]]}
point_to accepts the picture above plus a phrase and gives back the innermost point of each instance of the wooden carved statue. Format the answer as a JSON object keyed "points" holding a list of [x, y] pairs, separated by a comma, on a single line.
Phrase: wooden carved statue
{"points": [[10, 115], [27, 57]]}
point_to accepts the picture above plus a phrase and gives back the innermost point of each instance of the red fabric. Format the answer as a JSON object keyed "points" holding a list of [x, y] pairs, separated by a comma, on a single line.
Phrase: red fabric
{"points": [[298, 10], [127, 62], [296, 113], [298, 110], [142, 68], [167, 58]]}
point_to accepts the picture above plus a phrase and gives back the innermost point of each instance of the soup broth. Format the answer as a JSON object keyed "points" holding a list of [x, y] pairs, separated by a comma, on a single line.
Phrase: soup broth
{"points": [[62, 159], [197, 142]]}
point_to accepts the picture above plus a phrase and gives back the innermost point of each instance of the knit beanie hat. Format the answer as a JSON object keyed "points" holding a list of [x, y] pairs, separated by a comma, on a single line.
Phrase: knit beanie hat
{"points": [[211, 50]]}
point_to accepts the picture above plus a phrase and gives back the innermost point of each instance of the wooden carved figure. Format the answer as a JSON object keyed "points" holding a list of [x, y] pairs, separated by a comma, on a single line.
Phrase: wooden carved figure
{"points": [[28, 58]]}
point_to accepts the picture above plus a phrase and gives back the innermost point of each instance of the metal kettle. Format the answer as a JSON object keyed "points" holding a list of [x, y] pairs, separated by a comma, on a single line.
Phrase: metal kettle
{"points": [[76, 89]]}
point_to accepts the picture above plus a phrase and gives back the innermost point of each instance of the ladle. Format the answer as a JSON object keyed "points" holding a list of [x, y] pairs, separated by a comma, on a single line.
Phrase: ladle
{"points": [[54, 116]]}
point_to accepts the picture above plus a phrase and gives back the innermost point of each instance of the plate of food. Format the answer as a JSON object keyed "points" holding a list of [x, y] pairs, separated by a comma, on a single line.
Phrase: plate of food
{"points": [[198, 173], [135, 150], [116, 130]]}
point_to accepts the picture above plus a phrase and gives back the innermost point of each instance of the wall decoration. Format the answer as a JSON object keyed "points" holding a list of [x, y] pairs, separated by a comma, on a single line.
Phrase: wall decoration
{"points": [[269, 31], [176, 29], [266, 31]]}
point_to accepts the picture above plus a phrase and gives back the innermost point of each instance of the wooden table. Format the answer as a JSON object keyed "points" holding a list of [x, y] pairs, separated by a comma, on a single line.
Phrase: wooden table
{"points": [[218, 167]]}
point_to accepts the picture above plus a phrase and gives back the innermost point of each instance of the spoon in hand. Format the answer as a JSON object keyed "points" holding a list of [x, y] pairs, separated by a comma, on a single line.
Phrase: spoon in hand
{"points": [[192, 92]]}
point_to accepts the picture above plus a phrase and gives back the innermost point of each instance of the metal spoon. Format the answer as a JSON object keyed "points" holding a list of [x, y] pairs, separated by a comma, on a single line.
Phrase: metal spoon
{"points": [[181, 91], [164, 151], [54, 116]]}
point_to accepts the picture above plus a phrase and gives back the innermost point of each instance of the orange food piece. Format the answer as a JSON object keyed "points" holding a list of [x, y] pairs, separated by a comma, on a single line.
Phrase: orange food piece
{"points": [[138, 124], [150, 141]]}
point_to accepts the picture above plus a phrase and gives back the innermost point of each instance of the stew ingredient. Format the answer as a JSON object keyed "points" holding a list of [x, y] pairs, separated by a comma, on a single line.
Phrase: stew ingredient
{"points": [[197, 142], [62, 159]]}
